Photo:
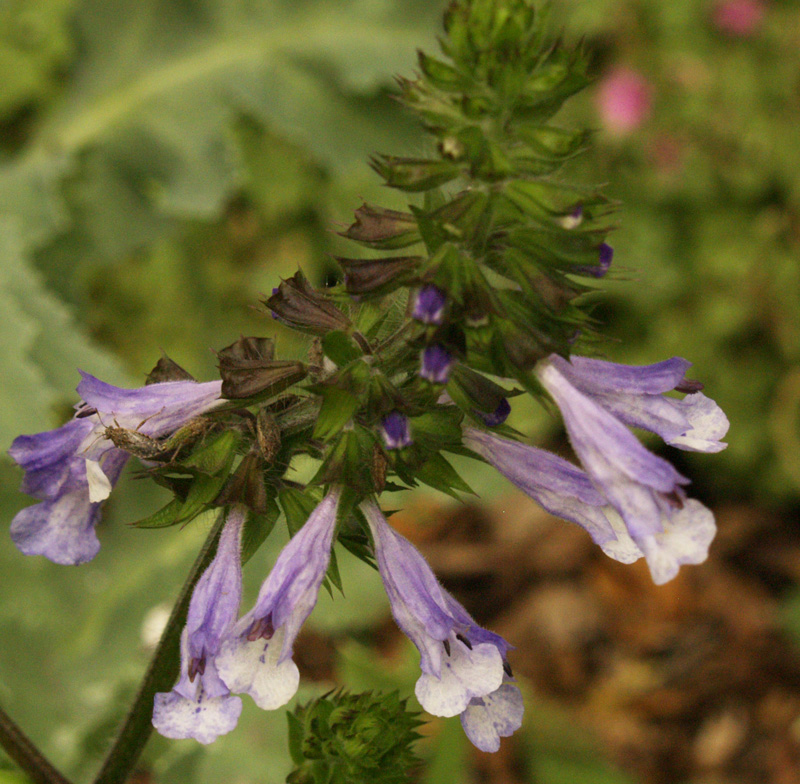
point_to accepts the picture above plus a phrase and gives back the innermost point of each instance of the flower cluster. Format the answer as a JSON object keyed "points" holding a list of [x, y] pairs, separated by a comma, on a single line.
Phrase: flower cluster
{"points": [[410, 357], [464, 667], [631, 502]]}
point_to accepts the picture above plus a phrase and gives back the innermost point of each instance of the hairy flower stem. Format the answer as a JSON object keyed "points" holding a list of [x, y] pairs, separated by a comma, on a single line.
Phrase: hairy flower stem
{"points": [[18, 746], [160, 675]]}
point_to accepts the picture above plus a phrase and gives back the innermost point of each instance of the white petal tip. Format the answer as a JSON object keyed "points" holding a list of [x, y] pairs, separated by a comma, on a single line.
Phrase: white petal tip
{"points": [[99, 484]]}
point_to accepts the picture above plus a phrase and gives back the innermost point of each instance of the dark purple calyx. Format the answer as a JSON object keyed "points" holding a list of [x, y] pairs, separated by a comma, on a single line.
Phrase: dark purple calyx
{"points": [[429, 305], [435, 364], [394, 430], [498, 416]]}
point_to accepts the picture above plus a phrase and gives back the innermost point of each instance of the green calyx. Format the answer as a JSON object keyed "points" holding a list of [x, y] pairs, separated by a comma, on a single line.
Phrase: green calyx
{"points": [[343, 738]]}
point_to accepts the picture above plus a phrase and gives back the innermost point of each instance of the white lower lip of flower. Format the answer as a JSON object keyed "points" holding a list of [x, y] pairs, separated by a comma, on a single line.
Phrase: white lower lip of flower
{"points": [[254, 668], [203, 719], [495, 716], [685, 539], [99, 484], [465, 673]]}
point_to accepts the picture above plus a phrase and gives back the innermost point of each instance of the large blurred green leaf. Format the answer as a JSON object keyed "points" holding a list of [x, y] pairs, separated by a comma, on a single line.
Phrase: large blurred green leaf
{"points": [[142, 135], [41, 347], [34, 42]]}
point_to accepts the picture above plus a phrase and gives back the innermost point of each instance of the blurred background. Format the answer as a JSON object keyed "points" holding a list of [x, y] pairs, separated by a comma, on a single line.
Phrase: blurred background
{"points": [[166, 162]]}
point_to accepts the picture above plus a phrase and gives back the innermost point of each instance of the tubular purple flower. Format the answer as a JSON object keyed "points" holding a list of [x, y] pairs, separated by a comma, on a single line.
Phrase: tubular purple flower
{"points": [[560, 487], [429, 305], [635, 396], [256, 656], [644, 489], [435, 364], [394, 430], [200, 705], [73, 468], [566, 491], [463, 666]]}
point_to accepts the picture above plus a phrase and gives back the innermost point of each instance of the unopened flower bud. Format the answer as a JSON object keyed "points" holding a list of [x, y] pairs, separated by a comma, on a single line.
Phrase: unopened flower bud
{"points": [[435, 364], [498, 416], [394, 430], [605, 257], [429, 305], [573, 219]]}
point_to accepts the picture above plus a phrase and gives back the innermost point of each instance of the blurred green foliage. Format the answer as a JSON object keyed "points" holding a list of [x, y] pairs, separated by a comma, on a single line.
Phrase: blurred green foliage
{"points": [[161, 165]]}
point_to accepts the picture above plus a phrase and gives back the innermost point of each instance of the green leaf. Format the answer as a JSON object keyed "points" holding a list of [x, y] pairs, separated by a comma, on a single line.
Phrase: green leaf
{"points": [[341, 348], [163, 518], [203, 491], [35, 41], [215, 454], [297, 507], [141, 137], [257, 528], [437, 472], [338, 407]]}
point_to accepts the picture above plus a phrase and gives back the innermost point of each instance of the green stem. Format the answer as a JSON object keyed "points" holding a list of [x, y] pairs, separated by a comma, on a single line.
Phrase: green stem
{"points": [[19, 747], [160, 677]]}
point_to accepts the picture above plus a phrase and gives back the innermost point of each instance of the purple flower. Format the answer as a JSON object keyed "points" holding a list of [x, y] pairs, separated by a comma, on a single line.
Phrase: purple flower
{"points": [[597, 400], [635, 396], [72, 469], [200, 705], [464, 669], [572, 219], [256, 658], [498, 416], [394, 430], [566, 491], [429, 305], [560, 487], [435, 364]]}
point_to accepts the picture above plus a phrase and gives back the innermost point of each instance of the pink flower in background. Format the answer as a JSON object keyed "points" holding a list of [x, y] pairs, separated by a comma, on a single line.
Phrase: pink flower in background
{"points": [[624, 100], [738, 17]]}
